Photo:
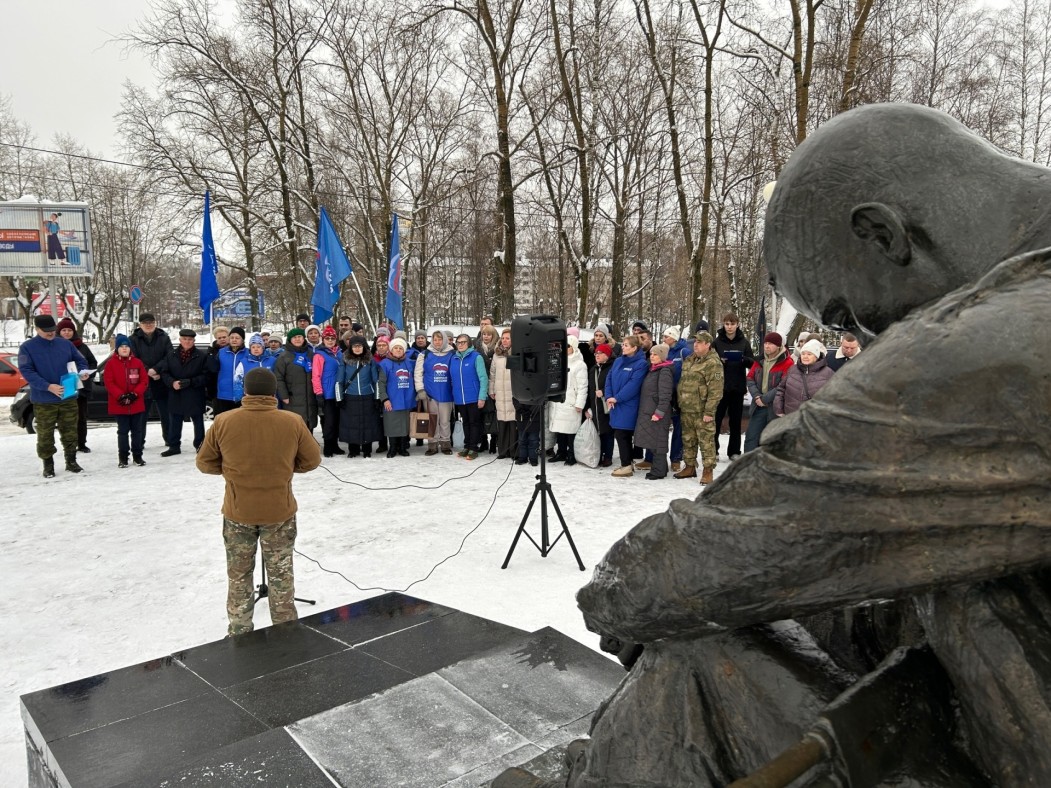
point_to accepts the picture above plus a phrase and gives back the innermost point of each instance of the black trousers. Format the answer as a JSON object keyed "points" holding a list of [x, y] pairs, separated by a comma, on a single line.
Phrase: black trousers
{"points": [[731, 406], [624, 445], [473, 432], [330, 422]]}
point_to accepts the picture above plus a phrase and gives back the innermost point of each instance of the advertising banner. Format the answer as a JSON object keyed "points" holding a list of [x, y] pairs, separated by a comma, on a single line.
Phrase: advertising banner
{"points": [[45, 239], [235, 304]]}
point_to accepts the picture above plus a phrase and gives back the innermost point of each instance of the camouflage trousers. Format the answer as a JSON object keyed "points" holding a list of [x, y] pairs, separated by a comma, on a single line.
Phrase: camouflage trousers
{"points": [[698, 436], [47, 417], [277, 541]]}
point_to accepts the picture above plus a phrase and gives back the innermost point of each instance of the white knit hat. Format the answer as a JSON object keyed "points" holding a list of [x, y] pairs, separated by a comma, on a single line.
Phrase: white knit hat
{"points": [[399, 342], [813, 346]]}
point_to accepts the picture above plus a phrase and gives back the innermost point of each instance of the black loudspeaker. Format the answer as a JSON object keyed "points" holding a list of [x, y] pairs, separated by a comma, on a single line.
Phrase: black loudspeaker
{"points": [[538, 364]]}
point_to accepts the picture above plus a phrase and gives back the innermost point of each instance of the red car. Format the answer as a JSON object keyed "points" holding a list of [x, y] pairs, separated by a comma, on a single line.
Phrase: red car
{"points": [[11, 379]]}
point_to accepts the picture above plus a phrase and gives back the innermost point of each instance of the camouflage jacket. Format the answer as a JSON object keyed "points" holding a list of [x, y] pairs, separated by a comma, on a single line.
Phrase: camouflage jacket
{"points": [[701, 384]]}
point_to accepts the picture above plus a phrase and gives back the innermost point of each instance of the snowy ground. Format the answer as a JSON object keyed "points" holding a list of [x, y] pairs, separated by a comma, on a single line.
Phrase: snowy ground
{"points": [[117, 566]]}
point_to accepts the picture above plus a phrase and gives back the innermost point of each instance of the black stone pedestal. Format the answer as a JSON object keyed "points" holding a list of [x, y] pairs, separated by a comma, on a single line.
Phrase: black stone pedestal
{"points": [[388, 691]]}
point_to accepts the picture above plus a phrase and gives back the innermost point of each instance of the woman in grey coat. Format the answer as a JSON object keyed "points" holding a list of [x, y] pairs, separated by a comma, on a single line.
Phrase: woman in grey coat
{"points": [[654, 421], [295, 388], [803, 380]]}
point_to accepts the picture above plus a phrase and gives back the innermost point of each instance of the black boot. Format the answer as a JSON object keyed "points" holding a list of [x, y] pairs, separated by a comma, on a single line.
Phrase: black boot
{"points": [[71, 464], [49, 468], [403, 447], [171, 452], [382, 445], [137, 459], [393, 450], [492, 444], [571, 458], [327, 450], [335, 448], [353, 450], [84, 448], [122, 462], [366, 450]]}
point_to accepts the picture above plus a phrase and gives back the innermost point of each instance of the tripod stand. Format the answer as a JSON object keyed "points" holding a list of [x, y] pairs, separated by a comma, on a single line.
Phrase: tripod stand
{"points": [[262, 590], [543, 491]]}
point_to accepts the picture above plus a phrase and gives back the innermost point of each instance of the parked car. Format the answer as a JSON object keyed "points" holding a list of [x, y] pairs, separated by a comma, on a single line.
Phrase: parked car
{"points": [[11, 379], [22, 407]]}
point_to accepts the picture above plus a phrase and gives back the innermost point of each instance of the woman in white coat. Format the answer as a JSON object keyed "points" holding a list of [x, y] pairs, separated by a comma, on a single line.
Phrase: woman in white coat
{"points": [[563, 418]]}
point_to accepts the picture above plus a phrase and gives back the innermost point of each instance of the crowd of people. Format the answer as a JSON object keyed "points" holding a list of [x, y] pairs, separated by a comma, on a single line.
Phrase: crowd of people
{"points": [[659, 403]]}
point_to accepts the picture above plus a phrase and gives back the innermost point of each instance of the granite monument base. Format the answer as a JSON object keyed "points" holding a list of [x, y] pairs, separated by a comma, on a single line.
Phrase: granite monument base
{"points": [[391, 690]]}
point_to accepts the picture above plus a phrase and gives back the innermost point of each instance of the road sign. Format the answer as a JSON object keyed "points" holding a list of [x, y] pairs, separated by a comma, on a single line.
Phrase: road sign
{"points": [[136, 294]]}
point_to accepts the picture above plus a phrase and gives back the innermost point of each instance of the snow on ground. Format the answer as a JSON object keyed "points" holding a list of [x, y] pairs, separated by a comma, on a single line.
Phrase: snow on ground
{"points": [[117, 566]]}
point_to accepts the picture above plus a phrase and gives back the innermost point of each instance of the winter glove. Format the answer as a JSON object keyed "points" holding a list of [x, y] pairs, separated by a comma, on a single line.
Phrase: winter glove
{"points": [[123, 399], [132, 396]]}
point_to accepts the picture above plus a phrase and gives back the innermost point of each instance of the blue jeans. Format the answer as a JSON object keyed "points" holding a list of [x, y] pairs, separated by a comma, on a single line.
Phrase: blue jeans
{"points": [[528, 444]]}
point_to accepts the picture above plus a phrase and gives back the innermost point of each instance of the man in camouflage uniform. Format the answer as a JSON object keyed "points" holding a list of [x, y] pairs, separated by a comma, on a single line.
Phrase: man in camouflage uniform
{"points": [[43, 361], [251, 447], [700, 389]]}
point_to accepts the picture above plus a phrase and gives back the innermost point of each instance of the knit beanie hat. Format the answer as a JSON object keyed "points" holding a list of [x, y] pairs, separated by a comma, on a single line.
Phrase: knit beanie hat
{"points": [[639, 325], [238, 330], [121, 340], [420, 333], [813, 346], [383, 331], [312, 326], [260, 381], [661, 350], [329, 332], [604, 349], [603, 328], [702, 325], [257, 339], [382, 339], [399, 342], [67, 323], [295, 332], [573, 331], [448, 336], [671, 332], [774, 339], [401, 335]]}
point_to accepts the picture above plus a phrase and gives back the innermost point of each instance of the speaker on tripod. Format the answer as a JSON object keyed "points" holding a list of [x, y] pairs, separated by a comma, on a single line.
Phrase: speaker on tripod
{"points": [[539, 372]]}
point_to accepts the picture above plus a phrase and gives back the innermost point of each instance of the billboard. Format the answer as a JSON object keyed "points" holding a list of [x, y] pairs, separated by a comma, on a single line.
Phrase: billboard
{"points": [[39, 239], [64, 307], [236, 304]]}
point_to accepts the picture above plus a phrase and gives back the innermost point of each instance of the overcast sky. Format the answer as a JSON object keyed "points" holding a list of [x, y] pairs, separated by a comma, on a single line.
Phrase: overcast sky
{"points": [[63, 72]]}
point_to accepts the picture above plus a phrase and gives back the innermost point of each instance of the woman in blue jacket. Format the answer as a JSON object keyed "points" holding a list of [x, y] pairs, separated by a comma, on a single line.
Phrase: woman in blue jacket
{"points": [[324, 374], [623, 385], [257, 357], [398, 393], [359, 418], [470, 389], [228, 384]]}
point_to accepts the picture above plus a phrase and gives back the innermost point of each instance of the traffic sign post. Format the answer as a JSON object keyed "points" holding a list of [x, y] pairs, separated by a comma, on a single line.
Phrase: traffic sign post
{"points": [[136, 294]]}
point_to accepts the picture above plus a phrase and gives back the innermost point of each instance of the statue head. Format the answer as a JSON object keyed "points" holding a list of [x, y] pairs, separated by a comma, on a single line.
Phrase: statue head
{"points": [[890, 206]]}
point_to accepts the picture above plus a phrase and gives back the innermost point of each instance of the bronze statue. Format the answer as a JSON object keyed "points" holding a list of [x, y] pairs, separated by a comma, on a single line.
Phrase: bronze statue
{"points": [[908, 504]]}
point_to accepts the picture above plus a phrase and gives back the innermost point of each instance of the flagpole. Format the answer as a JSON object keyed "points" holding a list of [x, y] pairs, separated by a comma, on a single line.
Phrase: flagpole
{"points": [[361, 299]]}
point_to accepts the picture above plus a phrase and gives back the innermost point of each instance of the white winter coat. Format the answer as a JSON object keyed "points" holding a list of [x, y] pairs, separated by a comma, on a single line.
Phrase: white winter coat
{"points": [[563, 416]]}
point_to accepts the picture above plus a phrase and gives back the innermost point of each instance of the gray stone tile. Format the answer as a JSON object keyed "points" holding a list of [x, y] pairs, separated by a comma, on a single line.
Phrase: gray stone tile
{"points": [[538, 683], [423, 733], [485, 773]]}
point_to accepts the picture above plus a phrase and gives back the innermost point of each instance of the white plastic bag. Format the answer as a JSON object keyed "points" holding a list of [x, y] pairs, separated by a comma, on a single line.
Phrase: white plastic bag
{"points": [[586, 445]]}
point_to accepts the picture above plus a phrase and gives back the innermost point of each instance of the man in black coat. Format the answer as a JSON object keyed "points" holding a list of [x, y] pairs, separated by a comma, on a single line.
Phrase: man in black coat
{"points": [[737, 357], [185, 372], [152, 347]]}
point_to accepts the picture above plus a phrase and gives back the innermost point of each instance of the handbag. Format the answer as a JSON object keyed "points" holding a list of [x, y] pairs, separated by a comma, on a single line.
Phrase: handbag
{"points": [[423, 424]]}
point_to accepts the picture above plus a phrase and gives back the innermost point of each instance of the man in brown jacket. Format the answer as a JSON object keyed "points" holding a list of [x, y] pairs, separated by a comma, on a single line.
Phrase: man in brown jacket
{"points": [[250, 447]]}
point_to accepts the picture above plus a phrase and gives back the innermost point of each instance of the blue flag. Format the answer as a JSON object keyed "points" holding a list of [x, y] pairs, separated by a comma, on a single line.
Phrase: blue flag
{"points": [[393, 310], [332, 268], [209, 264]]}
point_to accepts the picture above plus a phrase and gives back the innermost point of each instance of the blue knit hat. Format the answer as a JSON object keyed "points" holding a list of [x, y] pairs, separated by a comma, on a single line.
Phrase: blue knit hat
{"points": [[121, 340], [257, 339]]}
